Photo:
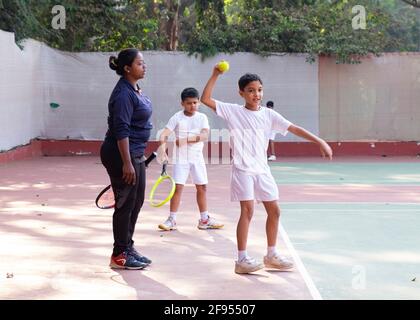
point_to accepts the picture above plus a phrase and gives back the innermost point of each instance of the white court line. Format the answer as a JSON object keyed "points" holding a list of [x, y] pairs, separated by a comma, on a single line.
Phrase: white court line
{"points": [[347, 211], [348, 202], [306, 277]]}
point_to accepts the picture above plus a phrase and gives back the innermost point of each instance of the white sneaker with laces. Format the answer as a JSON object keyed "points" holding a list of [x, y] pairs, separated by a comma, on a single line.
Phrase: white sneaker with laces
{"points": [[278, 262], [248, 265], [168, 225], [272, 158], [210, 223]]}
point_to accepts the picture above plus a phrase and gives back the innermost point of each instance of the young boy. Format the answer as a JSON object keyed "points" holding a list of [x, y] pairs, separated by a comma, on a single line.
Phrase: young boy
{"points": [[191, 129], [271, 149], [250, 127]]}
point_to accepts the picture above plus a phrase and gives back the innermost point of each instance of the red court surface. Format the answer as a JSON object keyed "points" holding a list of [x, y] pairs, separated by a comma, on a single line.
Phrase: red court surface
{"points": [[56, 244]]}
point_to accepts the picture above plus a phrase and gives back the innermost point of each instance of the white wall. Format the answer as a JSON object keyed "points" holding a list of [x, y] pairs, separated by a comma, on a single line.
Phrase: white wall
{"points": [[376, 100], [20, 117], [288, 81], [81, 84]]}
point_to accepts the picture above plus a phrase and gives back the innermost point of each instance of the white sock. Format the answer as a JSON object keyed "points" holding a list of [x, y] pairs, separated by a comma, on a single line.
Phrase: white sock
{"points": [[271, 251], [172, 215], [204, 215], [242, 255]]}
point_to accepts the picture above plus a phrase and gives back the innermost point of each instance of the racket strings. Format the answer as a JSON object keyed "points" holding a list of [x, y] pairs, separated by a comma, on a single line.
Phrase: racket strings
{"points": [[107, 199], [163, 190]]}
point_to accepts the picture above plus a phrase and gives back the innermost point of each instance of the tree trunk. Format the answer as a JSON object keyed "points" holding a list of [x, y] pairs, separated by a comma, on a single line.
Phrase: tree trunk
{"points": [[172, 26], [414, 3]]}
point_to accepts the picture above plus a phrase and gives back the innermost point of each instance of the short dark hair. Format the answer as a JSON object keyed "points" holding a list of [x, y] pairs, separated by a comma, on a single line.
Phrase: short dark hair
{"points": [[246, 79], [189, 93], [125, 58], [270, 104]]}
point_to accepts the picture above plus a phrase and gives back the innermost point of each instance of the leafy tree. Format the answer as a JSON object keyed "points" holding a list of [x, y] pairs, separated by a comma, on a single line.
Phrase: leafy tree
{"points": [[90, 24], [331, 31], [403, 31], [315, 27], [18, 17]]}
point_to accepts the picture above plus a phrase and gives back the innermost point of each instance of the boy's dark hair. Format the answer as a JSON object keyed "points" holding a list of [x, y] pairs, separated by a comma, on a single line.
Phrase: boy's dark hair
{"points": [[125, 58], [189, 93], [270, 104], [247, 78]]}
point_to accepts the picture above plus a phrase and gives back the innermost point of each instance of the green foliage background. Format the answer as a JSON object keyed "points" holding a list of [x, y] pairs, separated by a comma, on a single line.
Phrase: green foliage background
{"points": [[206, 28]]}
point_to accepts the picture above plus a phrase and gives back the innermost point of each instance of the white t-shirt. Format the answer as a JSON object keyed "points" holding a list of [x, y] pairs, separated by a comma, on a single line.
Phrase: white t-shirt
{"points": [[250, 132], [185, 127], [273, 133]]}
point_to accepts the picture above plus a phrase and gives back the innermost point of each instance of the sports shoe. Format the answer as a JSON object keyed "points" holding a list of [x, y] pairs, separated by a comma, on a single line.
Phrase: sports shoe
{"points": [[168, 225], [126, 261], [248, 265], [278, 262], [210, 223], [139, 257], [272, 158]]}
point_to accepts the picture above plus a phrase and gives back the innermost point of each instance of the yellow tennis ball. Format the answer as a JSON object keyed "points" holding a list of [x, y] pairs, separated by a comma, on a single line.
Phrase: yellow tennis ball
{"points": [[223, 66]]}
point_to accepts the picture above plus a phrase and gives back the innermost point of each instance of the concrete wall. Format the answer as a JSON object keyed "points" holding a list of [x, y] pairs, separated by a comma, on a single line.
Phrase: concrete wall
{"points": [[290, 82], [377, 100], [20, 115], [80, 83]]}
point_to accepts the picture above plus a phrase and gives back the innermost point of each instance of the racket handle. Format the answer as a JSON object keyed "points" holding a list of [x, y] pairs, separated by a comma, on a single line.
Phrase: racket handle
{"points": [[150, 158]]}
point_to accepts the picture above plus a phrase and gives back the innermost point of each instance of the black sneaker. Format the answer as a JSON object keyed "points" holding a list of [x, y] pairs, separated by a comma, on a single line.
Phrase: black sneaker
{"points": [[139, 257], [126, 261]]}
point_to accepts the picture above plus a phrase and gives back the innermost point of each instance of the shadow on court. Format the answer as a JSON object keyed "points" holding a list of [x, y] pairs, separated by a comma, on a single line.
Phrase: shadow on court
{"points": [[57, 244]]}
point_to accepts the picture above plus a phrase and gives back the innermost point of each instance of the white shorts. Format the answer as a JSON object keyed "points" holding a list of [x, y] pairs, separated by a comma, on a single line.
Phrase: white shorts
{"points": [[261, 187], [198, 172]]}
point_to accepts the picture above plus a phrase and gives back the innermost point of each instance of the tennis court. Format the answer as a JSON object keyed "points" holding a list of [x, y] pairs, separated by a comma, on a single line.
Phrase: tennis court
{"points": [[354, 224], [57, 244], [350, 224]]}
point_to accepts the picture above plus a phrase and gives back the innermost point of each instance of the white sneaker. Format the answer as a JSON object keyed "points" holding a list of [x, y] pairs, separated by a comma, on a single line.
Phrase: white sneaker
{"points": [[210, 223], [278, 262], [272, 158], [168, 225], [248, 265]]}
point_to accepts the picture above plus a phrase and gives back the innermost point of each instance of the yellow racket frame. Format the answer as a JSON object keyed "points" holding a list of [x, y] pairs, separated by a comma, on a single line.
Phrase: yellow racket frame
{"points": [[163, 176]]}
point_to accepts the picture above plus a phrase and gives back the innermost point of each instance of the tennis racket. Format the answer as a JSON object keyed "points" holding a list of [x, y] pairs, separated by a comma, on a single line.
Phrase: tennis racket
{"points": [[106, 198], [163, 190]]}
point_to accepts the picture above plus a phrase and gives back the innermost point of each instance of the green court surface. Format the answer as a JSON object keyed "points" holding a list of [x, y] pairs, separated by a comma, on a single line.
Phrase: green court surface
{"points": [[406, 173], [354, 249]]}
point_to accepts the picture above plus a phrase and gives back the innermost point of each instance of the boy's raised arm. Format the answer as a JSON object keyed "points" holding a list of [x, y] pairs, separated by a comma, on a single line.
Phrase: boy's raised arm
{"points": [[206, 97]]}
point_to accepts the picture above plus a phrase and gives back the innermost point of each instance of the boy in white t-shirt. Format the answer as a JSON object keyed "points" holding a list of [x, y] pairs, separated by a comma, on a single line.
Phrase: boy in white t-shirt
{"points": [[191, 129], [250, 126]]}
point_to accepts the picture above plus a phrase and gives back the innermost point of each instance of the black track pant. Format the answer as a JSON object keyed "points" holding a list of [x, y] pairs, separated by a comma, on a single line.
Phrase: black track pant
{"points": [[128, 198]]}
